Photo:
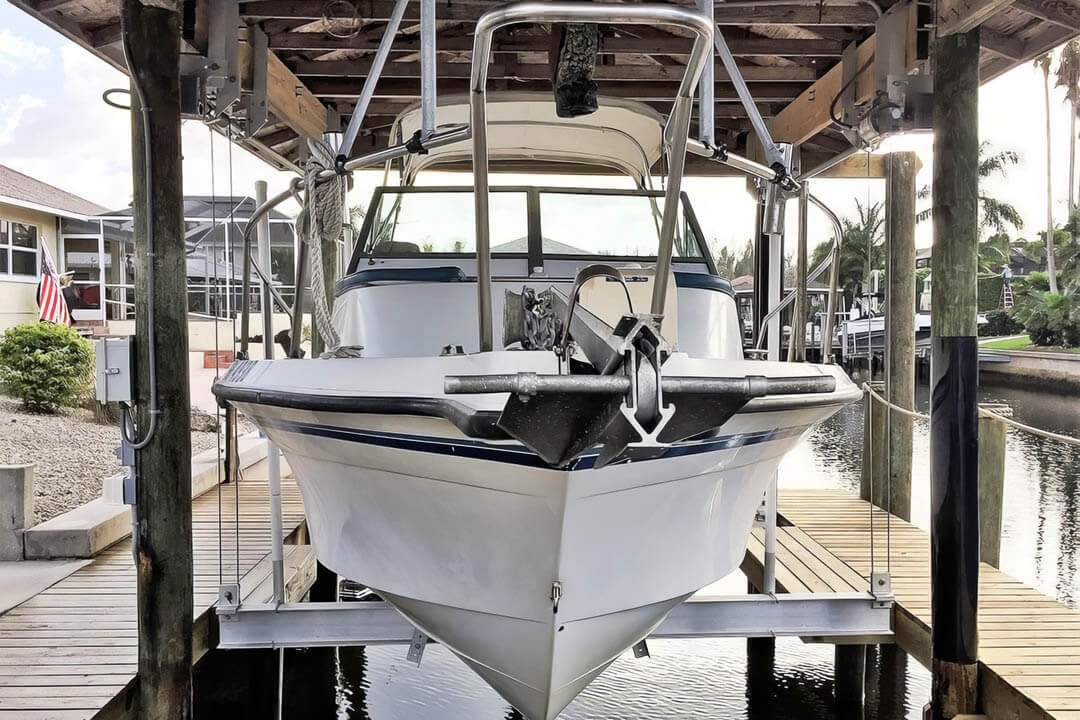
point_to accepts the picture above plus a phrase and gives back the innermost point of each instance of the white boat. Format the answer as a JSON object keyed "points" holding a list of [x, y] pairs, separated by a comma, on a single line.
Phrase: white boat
{"points": [[538, 506]]}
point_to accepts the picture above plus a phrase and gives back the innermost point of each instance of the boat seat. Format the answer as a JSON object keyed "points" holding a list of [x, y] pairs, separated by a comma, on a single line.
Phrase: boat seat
{"points": [[604, 297]]}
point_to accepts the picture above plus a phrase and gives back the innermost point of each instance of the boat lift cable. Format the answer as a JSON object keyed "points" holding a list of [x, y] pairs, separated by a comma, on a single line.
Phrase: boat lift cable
{"points": [[217, 354], [127, 420]]}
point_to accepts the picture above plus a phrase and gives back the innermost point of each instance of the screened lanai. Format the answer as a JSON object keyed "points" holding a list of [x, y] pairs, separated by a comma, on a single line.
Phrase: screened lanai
{"points": [[99, 253]]}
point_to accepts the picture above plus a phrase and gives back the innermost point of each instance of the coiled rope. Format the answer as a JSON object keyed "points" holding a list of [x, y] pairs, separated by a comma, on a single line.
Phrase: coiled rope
{"points": [[1067, 439], [320, 224]]}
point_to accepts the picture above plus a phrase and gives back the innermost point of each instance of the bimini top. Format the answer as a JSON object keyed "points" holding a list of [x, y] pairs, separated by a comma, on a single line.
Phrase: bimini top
{"points": [[522, 127]]}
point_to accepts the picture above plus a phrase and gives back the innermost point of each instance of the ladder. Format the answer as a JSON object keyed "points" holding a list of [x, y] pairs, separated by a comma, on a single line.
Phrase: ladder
{"points": [[1006, 295]]}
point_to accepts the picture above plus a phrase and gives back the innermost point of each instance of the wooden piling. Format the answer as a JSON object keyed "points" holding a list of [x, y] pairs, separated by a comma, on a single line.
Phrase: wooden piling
{"points": [[849, 673], [991, 483], [900, 171], [873, 485], [954, 481], [163, 467]]}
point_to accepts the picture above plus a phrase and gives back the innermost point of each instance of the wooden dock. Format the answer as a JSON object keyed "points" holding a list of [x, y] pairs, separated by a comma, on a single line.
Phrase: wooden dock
{"points": [[71, 651], [1029, 644]]}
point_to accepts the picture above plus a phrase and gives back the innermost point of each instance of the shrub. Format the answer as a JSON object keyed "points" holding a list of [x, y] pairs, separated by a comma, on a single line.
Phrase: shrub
{"points": [[999, 322], [45, 366], [1050, 318]]}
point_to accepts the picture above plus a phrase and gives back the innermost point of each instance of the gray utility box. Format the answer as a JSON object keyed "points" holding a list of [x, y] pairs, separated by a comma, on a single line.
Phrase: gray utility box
{"points": [[113, 377]]}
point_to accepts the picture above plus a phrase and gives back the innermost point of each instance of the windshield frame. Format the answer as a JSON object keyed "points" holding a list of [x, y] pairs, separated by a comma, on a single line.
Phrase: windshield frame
{"points": [[535, 254]]}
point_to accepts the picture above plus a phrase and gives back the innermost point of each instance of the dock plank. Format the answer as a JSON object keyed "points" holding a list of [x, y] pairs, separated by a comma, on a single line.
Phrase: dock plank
{"points": [[1029, 643], [70, 652]]}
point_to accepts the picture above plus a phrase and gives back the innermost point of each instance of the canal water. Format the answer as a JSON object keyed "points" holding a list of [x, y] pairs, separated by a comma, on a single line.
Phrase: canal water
{"points": [[719, 678]]}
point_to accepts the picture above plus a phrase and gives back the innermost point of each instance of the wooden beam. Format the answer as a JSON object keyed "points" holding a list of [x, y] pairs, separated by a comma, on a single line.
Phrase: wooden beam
{"points": [[1060, 12], [542, 71], [809, 114], [380, 11], [958, 16], [105, 35], [317, 41], [44, 6], [291, 101], [336, 87], [1003, 45], [855, 168], [795, 14]]}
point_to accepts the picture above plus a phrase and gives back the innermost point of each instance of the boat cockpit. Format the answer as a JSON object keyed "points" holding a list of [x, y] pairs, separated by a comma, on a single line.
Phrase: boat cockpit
{"points": [[410, 289]]}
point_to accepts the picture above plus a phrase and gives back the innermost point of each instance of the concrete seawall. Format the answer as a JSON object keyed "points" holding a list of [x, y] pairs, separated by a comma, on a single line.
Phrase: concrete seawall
{"points": [[1036, 370]]}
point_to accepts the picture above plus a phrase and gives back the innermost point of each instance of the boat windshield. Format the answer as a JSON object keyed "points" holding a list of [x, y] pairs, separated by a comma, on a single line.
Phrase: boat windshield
{"points": [[567, 222]]}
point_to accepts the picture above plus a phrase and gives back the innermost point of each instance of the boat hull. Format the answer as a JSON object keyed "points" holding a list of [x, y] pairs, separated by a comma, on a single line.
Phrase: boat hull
{"points": [[467, 538]]}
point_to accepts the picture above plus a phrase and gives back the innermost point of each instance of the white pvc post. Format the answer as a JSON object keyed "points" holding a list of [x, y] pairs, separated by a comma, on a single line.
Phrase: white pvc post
{"points": [[706, 87], [427, 68], [273, 458]]}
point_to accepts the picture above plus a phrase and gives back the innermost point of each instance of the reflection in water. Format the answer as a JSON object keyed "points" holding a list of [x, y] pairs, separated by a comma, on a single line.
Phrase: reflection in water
{"points": [[682, 679], [719, 678]]}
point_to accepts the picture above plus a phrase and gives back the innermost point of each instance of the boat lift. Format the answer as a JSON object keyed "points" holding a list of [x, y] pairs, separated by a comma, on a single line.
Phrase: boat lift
{"points": [[861, 617]]}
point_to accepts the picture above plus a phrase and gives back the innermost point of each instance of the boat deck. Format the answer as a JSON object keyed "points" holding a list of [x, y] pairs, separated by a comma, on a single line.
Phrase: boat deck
{"points": [[1029, 644], [71, 651]]}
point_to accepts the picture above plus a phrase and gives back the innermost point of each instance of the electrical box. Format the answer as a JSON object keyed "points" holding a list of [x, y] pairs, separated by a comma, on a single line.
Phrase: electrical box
{"points": [[113, 377], [119, 489]]}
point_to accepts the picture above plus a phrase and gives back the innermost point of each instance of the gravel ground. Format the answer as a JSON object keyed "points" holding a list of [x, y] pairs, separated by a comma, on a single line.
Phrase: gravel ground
{"points": [[70, 451]]}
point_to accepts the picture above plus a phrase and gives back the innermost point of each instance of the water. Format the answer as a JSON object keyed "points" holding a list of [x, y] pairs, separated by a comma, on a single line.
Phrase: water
{"points": [[718, 678]]}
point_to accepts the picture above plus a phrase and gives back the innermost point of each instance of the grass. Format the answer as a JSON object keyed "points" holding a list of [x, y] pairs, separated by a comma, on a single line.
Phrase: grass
{"points": [[1023, 343], [1018, 343]]}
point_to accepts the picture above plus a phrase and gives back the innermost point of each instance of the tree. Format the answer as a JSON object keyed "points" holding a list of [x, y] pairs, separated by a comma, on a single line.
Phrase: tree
{"points": [[860, 235], [1043, 63], [1068, 77], [994, 214], [732, 263]]}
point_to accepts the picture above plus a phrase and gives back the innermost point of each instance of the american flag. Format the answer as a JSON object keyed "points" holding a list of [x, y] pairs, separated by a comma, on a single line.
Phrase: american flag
{"points": [[54, 308]]}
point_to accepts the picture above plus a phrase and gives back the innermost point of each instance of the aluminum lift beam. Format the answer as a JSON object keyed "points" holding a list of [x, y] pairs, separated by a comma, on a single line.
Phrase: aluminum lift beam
{"points": [[819, 615]]}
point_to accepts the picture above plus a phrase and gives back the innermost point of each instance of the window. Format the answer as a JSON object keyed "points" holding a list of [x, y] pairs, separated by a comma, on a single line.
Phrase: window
{"points": [[443, 221], [18, 249], [597, 223]]}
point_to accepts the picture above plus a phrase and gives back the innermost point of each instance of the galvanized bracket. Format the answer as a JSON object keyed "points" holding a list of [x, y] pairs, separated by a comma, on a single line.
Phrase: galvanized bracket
{"points": [[416, 647], [223, 61], [228, 601], [641, 650], [254, 100], [881, 589]]}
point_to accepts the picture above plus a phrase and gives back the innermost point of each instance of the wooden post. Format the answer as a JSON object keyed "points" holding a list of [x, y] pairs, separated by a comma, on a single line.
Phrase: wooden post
{"points": [[849, 672], [954, 479], [873, 486], [163, 467], [991, 483], [900, 171]]}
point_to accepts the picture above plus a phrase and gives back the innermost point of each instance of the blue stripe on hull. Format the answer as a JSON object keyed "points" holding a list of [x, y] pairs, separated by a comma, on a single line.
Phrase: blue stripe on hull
{"points": [[513, 454]]}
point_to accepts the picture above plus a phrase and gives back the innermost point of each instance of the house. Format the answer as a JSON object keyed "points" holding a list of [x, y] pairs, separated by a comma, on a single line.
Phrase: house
{"points": [[31, 213]]}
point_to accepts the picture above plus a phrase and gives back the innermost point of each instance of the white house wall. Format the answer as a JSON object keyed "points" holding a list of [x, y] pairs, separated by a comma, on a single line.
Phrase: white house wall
{"points": [[18, 295]]}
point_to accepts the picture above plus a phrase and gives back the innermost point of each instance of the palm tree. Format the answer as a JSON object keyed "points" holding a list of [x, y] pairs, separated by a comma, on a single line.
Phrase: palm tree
{"points": [[994, 214], [1043, 63], [1068, 77], [863, 234]]}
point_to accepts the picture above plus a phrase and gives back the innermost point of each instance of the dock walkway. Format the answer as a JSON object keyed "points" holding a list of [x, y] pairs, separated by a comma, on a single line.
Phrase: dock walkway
{"points": [[1029, 644], [71, 651]]}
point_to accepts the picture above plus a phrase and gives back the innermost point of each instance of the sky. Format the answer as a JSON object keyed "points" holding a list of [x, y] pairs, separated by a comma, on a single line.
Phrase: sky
{"points": [[55, 127]]}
